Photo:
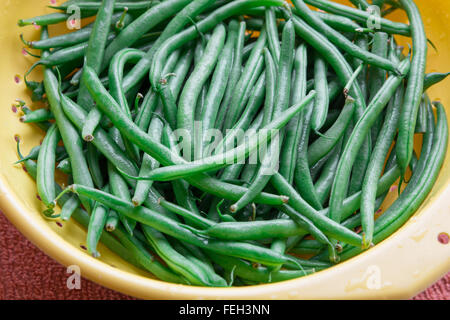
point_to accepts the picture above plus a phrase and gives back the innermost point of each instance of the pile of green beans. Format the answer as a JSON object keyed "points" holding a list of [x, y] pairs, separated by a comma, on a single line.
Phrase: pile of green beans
{"points": [[219, 143]]}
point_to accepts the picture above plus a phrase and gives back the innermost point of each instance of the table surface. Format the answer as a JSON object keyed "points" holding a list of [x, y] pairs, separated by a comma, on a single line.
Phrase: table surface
{"points": [[27, 273]]}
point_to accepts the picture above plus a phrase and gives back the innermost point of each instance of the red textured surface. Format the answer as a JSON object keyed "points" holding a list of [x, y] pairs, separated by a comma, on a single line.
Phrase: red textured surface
{"points": [[27, 273]]}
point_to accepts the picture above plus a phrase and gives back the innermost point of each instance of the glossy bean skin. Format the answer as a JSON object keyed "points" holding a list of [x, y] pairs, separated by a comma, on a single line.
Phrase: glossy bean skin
{"points": [[322, 101], [148, 163], [433, 78], [39, 115], [375, 167], [96, 48], [97, 223], [414, 89], [272, 33], [46, 167]]}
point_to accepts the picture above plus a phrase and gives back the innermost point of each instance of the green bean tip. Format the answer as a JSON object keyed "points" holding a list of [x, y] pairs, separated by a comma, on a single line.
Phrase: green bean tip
{"points": [[88, 138]]}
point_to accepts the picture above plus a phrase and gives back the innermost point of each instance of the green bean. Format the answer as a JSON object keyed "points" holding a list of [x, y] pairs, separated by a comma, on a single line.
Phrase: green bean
{"points": [[93, 160], [151, 100], [360, 16], [302, 175], [181, 70], [162, 154], [433, 78], [97, 223], [39, 115], [200, 222], [311, 229], [235, 74], [193, 86], [172, 228], [96, 49], [328, 226], [271, 74], [179, 263], [251, 108], [418, 189], [46, 168], [83, 218], [325, 181], [144, 23], [272, 33], [282, 96], [145, 259], [260, 275], [363, 42], [120, 189], [180, 187], [375, 167], [338, 22], [69, 208], [68, 133], [334, 58], [244, 83], [218, 161], [64, 166], [190, 10], [169, 105], [378, 76], [66, 55], [34, 153], [414, 89], [219, 82], [148, 163], [421, 124], [340, 41], [196, 256], [361, 4], [52, 18], [357, 139], [70, 39], [102, 140], [322, 99], [95, 6], [205, 25], [307, 247]]}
